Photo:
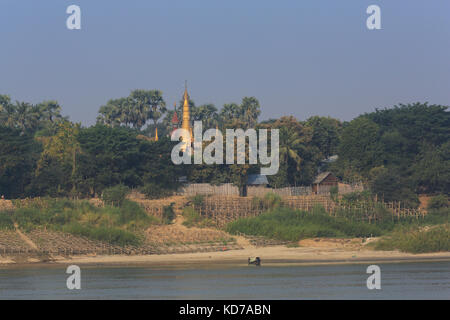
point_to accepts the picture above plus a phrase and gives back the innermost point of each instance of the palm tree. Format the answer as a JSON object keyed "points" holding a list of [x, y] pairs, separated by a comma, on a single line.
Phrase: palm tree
{"points": [[229, 112], [206, 113], [125, 111], [50, 111], [139, 107], [246, 114], [7, 111], [146, 104], [157, 106], [290, 145], [26, 116], [111, 114], [250, 111]]}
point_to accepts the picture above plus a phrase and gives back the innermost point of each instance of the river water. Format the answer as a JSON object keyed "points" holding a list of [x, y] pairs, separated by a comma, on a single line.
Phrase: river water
{"points": [[398, 281]]}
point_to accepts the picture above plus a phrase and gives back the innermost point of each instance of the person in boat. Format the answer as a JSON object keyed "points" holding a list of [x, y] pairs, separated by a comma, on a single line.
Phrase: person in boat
{"points": [[254, 260]]}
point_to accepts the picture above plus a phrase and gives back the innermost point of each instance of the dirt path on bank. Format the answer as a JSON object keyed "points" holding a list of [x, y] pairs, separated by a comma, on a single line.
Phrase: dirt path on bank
{"points": [[25, 238], [240, 240]]}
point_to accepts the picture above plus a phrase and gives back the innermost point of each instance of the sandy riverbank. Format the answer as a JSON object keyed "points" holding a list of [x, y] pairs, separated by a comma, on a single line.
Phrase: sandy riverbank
{"points": [[270, 256]]}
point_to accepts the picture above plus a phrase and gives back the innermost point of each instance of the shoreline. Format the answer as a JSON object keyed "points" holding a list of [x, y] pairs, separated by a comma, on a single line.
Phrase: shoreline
{"points": [[270, 256]]}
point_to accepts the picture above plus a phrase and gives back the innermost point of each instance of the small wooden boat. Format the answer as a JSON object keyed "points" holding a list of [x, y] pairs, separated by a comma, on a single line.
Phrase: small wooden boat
{"points": [[254, 260]]}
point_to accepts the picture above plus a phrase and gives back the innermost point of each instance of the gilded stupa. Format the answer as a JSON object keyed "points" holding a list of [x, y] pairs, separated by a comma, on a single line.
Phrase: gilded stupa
{"points": [[186, 120], [186, 123]]}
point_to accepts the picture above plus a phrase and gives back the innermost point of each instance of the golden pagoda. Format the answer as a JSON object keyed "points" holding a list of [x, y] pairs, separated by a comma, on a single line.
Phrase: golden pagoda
{"points": [[186, 124]]}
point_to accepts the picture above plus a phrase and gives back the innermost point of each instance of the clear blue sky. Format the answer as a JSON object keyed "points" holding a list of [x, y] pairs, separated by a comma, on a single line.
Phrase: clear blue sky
{"points": [[304, 58]]}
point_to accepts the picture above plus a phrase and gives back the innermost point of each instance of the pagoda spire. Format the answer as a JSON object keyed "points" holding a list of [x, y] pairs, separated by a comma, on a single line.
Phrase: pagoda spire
{"points": [[186, 112]]}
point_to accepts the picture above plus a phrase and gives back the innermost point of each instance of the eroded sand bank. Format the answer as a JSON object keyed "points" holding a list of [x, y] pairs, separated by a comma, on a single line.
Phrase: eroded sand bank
{"points": [[309, 252]]}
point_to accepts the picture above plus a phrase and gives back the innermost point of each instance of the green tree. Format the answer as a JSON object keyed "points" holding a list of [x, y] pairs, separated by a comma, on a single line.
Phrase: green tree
{"points": [[61, 150], [134, 110], [360, 145], [18, 154], [207, 114], [246, 114], [115, 112], [156, 166], [389, 185], [29, 118], [250, 111], [418, 122], [290, 160], [157, 105], [110, 156], [230, 111], [26, 117], [299, 158], [146, 104], [431, 170], [326, 133], [7, 111]]}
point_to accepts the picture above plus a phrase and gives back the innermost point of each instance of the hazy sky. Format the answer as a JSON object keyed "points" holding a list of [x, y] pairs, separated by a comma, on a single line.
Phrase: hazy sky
{"points": [[304, 58]]}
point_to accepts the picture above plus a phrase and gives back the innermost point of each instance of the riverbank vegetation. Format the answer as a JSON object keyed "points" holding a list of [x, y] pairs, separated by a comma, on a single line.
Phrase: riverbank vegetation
{"points": [[417, 240], [120, 225], [294, 225], [193, 218]]}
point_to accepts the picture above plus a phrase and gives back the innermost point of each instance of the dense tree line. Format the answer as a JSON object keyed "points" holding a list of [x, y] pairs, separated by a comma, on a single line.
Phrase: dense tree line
{"points": [[398, 152]]}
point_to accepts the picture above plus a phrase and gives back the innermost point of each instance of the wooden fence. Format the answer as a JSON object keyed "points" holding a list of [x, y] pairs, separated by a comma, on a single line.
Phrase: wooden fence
{"points": [[229, 189], [192, 189], [260, 191], [222, 210]]}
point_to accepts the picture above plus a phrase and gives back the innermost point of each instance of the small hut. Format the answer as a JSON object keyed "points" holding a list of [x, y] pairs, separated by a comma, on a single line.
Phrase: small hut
{"points": [[323, 182], [257, 180], [255, 183]]}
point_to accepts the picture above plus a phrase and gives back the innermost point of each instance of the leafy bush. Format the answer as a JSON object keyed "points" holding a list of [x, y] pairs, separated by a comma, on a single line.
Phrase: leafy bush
{"points": [[334, 192], [356, 196], [168, 214], [417, 240], [155, 191], [115, 195], [270, 201], [437, 216], [191, 217], [318, 209], [6, 222], [197, 200], [290, 225], [134, 215], [381, 212], [438, 202], [408, 198]]}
